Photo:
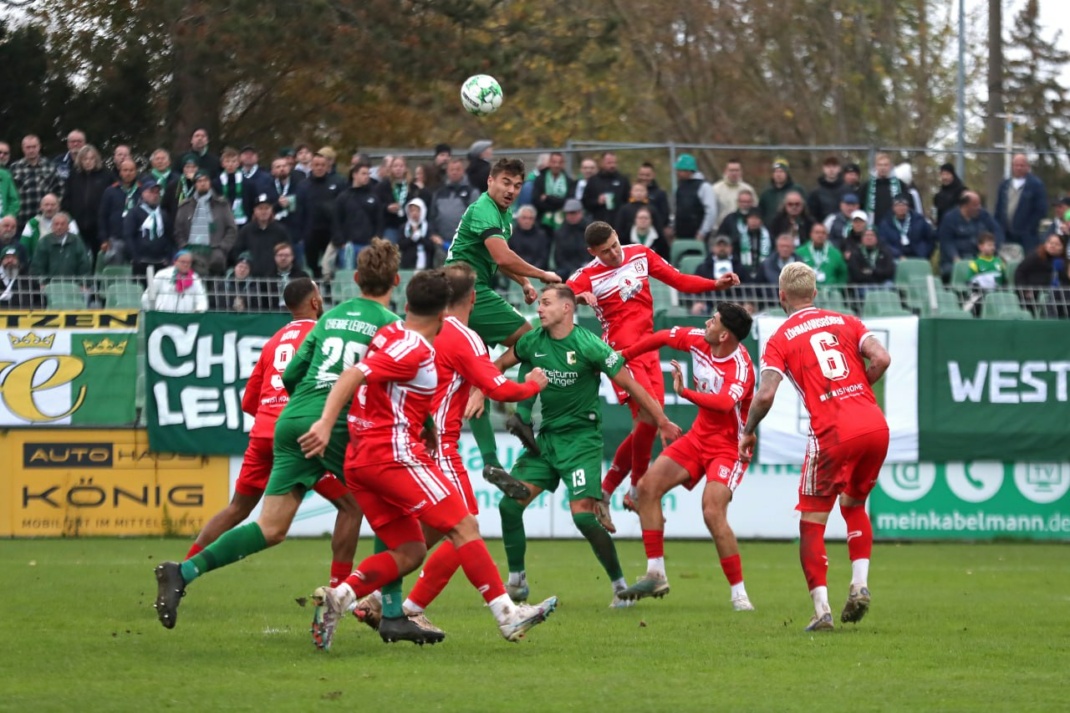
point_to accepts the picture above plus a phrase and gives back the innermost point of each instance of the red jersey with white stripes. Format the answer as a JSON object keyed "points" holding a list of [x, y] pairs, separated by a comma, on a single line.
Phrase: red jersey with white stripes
{"points": [[395, 399], [265, 396], [820, 353], [625, 305]]}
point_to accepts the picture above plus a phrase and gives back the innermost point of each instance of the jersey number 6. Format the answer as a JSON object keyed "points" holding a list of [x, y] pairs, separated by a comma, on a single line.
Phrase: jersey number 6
{"points": [[831, 360]]}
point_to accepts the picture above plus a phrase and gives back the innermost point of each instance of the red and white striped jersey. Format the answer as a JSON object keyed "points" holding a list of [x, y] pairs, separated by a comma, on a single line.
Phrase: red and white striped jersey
{"points": [[265, 396], [462, 361], [718, 383], [395, 399]]}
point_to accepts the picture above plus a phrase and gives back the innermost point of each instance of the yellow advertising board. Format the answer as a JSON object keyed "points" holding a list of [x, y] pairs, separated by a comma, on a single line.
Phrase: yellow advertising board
{"points": [[74, 483]]}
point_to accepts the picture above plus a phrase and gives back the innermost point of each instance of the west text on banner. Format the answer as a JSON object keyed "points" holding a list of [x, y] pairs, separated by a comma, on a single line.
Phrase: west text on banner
{"points": [[979, 500], [995, 390], [783, 435], [88, 482], [68, 368], [196, 369]]}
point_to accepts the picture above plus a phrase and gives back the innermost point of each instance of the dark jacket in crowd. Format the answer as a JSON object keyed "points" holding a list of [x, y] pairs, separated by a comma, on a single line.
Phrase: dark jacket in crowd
{"points": [[863, 272], [570, 249], [1024, 229], [1038, 269], [384, 191], [168, 190], [769, 273], [448, 205], [958, 236], [782, 226], [920, 236], [606, 183], [286, 217], [140, 245], [626, 219], [531, 245], [316, 198], [825, 199], [882, 189], [358, 216], [690, 210], [947, 198], [260, 244], [545, 203], [82, 199], [659, 199], [114, 204], [477, 173], [773, 197]]}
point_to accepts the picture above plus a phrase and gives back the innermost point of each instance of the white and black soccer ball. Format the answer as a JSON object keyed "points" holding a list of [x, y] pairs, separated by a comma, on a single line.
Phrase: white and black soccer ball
{"points": [[481, 94]]}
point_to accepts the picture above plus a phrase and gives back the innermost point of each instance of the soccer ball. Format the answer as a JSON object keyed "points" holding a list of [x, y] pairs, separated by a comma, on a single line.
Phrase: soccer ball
{"points": [[481, 94]]}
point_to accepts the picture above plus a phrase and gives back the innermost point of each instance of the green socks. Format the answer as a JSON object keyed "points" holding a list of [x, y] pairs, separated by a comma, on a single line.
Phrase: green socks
{"points": [[483, 432], [391, 591], [601, 543], [513, 536], [231, 546]]}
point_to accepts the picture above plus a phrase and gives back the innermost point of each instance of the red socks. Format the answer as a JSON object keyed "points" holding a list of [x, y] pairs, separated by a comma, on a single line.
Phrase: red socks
{"points": [[339, 571], [815, 562], [622, 463], [642, 443], [480, 570], [654, 543], [733, 569], [194, 550], [859, 532], [437, 572], [373, 573]]}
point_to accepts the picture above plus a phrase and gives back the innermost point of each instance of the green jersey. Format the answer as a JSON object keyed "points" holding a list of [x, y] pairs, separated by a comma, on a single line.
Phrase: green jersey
{"points": [[338, 341], [828, 263], [988, 273], [574, 366], [483, 220]]}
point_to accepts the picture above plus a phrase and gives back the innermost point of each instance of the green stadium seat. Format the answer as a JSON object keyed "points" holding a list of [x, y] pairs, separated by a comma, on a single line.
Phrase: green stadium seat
{"points": [[1011, 267], [681, 247], [663, 295], [123, 295], [948, 307], [883, 303], [831, 298], [689, 263], [117, 271], [911, 268], [341, 276], [960, 273], [65, 295], [1003, 305]]}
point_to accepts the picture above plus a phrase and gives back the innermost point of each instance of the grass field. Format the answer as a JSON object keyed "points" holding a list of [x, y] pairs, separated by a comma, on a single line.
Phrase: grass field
{"points": [[953, 627]]}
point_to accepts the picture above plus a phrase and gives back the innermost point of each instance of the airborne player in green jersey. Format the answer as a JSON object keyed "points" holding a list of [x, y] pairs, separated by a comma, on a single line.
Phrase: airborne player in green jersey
{"points": [[482, 242], [339, 339], [570, 435]]}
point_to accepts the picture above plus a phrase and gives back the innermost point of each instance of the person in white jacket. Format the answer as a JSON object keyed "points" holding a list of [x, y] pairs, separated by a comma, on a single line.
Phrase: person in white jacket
{"points": [[177, 288]]}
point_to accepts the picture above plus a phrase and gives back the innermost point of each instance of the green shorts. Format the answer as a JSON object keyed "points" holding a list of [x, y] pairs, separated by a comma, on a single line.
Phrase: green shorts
{"points": [[575, 457], [291, 470], [494, 319]]}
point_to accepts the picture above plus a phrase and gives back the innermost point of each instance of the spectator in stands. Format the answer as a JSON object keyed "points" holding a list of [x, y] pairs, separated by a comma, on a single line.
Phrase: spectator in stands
{"points": [[148, 232], [436, 176], [232, 187], [241, 292], [880, 190], [120, 154], [302, 160], [85, 193], [450, 202], [1021, 205], [187, 181], [206, 160], [35, 177], [529, 240], [419, 248], [645, 232], [826, 259], [418, 186], [851, 242], [588, 168], [67, 162], [793, 218], [988, 271], [658, 198], [696, 204], [852, 179], [9, 238], [285, 270], [17, 290], [780, 184], [358, 217], [160, 171], [825, 199], [960, 230], [1060, 220], [118, 199], [205, 228], [720, 261], [177, 288], [316, 201], [282, 191], [5, 154], [730, 187], [393, 194], [9, 195], [61, 253], [754, 245], [784, 255], [839, 223], [1045, 272], [480, 155], [41, 224], [257, 239], [905, 173], [526, 196], [872, 263], [906, 232], [551, 188], [735, 222], [252, 175], [570, 248], [639, 200], [950, 194], [607, 191]]}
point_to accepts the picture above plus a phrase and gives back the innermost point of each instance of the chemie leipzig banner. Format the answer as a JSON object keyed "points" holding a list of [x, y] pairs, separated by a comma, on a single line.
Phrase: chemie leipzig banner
{"points": [[782, 436], [994, 390], [196, 369], [68, 368]]}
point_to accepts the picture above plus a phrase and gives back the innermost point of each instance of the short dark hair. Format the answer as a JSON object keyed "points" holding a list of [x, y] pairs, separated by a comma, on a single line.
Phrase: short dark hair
{"points": [[562, 291], [736, 319], [831, 161], [356, 167], [512, 166], [597, 233], [428, 293], [986, 237], [462, 280], [297, 291], [377, 265], [646, 164]]}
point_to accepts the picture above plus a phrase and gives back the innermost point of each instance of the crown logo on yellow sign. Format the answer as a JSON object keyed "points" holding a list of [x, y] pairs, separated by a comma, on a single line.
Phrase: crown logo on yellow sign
{"points": [[105, 347], [31, 341]]}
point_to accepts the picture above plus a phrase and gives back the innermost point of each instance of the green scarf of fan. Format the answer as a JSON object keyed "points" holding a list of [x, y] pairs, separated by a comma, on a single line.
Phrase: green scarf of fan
{"points": [[161, 179], [871, 194], [556, 187], [765, 244]]}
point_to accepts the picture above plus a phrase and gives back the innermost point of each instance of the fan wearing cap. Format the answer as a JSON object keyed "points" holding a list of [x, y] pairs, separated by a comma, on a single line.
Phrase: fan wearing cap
{"points": [[569, 244], [780, 184], [16, 288], [906, 232], [148, 231], [257, 239], [839, 223], [696, 203], [850, 242], [205, 227]]}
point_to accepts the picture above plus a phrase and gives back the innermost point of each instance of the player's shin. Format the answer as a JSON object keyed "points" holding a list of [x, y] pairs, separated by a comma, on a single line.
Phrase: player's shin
{"points": [[814, 561], [642, 443], [513, 536], [372, 573], [621, 466], [859, 541], [436, 574], [232, 546], [483, 432], [480, 569], [602, 544]]}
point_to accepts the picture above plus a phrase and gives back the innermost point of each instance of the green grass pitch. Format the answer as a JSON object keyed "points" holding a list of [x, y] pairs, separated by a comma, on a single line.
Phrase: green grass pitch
{"points": [[953, 627]]}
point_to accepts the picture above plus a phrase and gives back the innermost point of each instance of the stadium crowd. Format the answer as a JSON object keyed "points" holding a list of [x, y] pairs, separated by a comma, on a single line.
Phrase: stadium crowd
{"points": [[222, 229]]}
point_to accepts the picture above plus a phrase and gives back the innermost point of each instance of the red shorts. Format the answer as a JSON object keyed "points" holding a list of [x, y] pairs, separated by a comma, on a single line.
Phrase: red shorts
{"points": [[695, 455], [646, 370], [452, 466], [397, 496], [850, 467], [256, 469]]}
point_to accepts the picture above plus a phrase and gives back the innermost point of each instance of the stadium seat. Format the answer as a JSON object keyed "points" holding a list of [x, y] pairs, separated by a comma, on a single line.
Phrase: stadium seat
{"points": [[117, 271], [65, 295], [689, 263], [883, 303], [948, 307], [342, 291], [960, 273], [664, 296], [1003, 305], [911, 268], [681, 247], [341, 276], [1011, 267], [831, 298], [123, 295]]}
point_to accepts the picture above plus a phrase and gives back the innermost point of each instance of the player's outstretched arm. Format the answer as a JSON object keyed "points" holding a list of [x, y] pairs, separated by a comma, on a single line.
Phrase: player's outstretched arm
{"points": [[314, 443], [691, 284], [879, 359], [669, 431], [474, 407], [530, 293], [649, 343], [759, 407], [724, 401], [511, 263]]}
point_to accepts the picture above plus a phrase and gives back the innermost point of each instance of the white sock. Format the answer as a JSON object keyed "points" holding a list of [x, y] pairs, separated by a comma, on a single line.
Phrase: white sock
{"points": [[619, 585], [656, 565], [633, 492], [820, 595], [378, 595], [860, 571], [348, 596], [738, 590], [517, 579], [409, 607], [501, 607]]}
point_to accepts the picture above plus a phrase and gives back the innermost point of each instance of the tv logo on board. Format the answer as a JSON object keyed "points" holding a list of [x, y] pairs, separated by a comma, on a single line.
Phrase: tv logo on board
{"points": [[1042, 482]]}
